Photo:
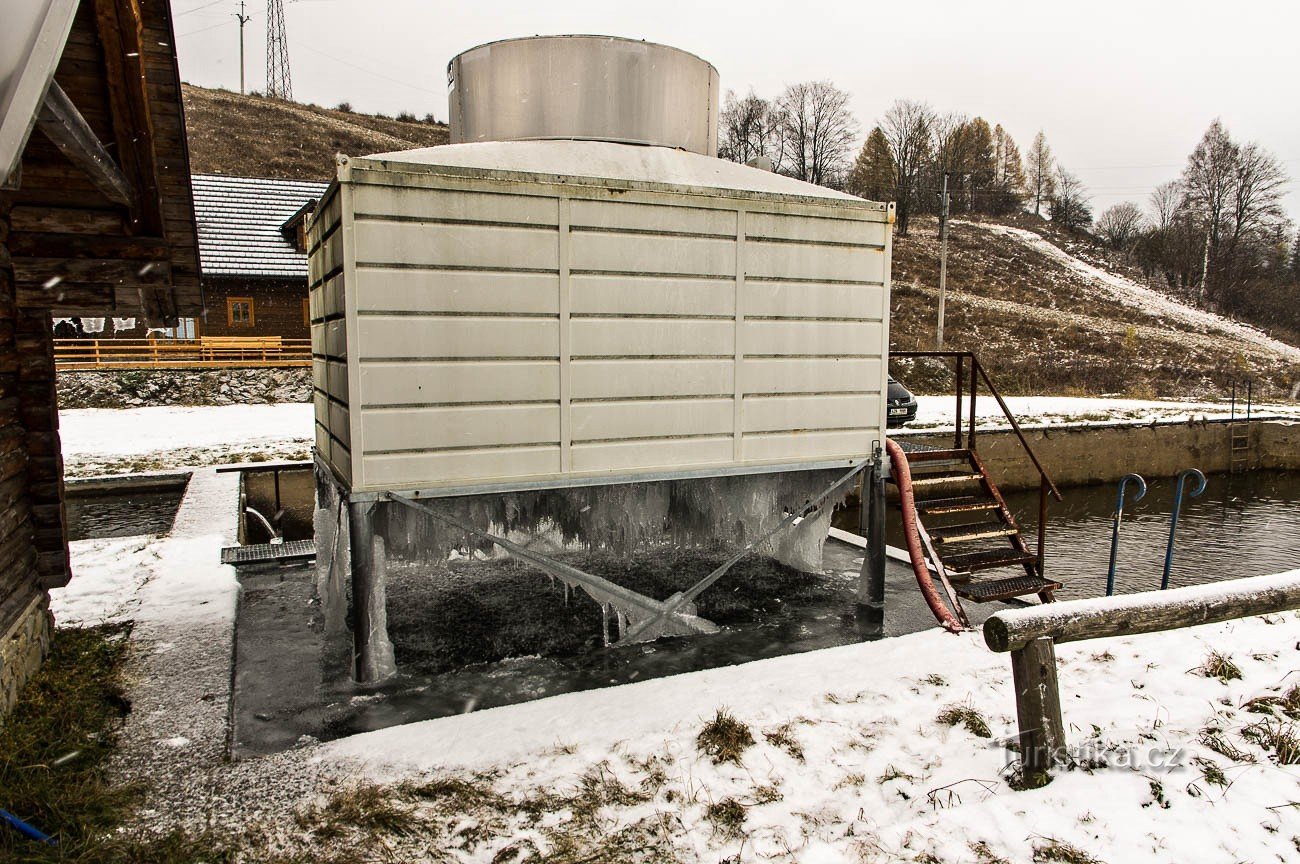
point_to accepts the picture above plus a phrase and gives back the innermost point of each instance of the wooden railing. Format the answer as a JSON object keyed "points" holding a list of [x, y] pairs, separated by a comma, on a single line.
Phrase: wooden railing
{"points": [[204, 352]]}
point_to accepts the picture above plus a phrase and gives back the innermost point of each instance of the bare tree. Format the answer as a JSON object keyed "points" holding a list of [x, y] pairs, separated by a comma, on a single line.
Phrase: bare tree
{"points": [[1069, 204], [817, 131], [1120, 225], [1166, 202], [750, 127], [1040, 168], [907, 126]]}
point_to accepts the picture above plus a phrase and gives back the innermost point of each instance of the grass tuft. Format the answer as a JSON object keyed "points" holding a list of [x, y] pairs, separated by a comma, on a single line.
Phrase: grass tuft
{"points": [[1210, 771], [782, 737], [1280, 738], [966, 716], [1062, 853], [724, 738], [1220, 666], [985, 855], [727, 817]]}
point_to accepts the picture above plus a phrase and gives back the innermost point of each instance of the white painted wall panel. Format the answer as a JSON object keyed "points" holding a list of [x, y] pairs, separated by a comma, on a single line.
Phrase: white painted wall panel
{"points": [[434, 204], [611, 379], [338, 381], [808, 445], [662, 337], [380, 290], [402, 336], [808, 261], [652, 453], [658, 419], [459, 426], [759, 225], [336, 338], [650, 253], [429, 245], [651, 295], [652, 217], [834, 338], [430, 382], [813, 300], [807, 375], [416, 470], [777, 413]]}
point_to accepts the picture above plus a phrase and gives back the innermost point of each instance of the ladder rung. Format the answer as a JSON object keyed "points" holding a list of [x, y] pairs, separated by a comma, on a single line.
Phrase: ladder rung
{"points": [[1005, 589], [961, 504], [969, 562], [971, 532], [945, 479]]}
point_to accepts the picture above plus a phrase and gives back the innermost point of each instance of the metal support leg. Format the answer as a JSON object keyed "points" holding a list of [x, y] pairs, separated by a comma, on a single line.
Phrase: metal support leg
{"points": [[871, 524], [372, 651]]}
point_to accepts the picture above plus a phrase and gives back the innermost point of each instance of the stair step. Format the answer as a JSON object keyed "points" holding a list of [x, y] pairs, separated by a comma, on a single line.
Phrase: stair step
{"points": [[960, 504], [1004, 589], [970, 532], [969, 562], [937, 455], [945, 479]]}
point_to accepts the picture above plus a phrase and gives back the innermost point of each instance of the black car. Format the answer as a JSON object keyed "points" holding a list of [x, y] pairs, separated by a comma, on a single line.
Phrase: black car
{"points": [[902, 405]]}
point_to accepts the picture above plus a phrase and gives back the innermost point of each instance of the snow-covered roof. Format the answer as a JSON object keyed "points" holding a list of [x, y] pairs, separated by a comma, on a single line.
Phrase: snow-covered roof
{"points": [[240, 222], [610, 161]]}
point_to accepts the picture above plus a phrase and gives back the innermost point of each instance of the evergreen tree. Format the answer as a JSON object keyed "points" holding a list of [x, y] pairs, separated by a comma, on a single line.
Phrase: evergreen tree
{"points": [[875, 174], [1008, 174]]}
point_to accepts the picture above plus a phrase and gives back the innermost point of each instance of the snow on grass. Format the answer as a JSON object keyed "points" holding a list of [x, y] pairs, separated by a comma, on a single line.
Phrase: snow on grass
{"points": [[873, 752], [109, 440], [1148, 299]]}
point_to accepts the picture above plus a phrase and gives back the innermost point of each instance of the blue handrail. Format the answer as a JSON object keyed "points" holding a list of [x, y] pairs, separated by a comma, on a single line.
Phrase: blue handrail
{"points": [[1173, 519], [1115, 522], [27, 830]]}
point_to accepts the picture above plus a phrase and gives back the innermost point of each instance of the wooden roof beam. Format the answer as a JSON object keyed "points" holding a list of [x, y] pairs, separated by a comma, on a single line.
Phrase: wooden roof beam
{"points": [[63, 124]]}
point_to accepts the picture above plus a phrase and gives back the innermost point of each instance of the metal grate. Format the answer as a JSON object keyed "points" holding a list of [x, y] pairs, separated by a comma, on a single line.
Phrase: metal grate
{"points": [[262, 553], [1005, 589]]}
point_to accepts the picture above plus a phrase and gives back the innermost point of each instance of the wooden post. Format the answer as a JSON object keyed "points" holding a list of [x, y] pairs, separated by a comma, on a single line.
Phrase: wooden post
{"points": [[1038, 710], [372, 651]]}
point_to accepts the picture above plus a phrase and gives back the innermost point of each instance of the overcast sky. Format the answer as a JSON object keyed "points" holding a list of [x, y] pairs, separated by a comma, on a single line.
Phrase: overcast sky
{"points": [[1123, 90]]}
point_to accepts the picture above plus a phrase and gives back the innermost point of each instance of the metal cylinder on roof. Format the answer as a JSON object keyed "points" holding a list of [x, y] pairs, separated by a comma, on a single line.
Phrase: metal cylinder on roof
{"points": [[598, 88]]}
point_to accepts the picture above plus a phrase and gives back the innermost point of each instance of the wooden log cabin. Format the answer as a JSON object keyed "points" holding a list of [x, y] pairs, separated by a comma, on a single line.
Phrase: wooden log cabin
{"points": [[96, 219]]}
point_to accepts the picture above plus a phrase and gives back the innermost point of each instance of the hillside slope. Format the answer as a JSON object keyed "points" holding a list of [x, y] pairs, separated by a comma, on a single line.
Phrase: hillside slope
{"points": [[252, 136], [1042, 319], [1045, 321]]}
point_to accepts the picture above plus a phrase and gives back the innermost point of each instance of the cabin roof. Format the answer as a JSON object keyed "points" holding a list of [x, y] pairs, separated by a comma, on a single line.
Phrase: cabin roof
{"points": [[241, 225]]}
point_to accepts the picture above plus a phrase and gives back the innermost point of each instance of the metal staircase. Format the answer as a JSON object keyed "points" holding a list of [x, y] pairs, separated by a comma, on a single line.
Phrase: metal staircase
{"points": [[968, 534], [967, 529]]}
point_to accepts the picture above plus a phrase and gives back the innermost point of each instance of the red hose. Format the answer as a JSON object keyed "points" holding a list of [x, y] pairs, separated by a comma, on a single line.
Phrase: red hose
{"points": [[903, 478]]}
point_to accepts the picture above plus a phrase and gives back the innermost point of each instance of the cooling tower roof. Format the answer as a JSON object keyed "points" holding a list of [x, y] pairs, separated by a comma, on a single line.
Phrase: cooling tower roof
{"points": [[607, 161]]}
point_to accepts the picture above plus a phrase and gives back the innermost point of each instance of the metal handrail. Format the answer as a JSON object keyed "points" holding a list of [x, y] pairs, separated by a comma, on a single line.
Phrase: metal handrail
{"points": [[1046, 486]]}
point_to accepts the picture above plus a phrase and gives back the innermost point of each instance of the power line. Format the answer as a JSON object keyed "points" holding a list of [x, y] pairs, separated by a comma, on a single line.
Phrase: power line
{"points": [[197, 9], [204, 29], [371, 71]]}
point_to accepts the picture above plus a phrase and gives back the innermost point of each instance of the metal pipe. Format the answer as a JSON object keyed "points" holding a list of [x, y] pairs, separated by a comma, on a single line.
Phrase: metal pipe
{"points": [[1173, 519], [903, 477], [956, 420], [871, 522], [1115, 520], [974, 385]]}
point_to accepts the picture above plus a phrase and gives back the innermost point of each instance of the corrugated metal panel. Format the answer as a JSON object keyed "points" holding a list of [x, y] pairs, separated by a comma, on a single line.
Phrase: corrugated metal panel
{"points": [[510, 328], [239, 224]]}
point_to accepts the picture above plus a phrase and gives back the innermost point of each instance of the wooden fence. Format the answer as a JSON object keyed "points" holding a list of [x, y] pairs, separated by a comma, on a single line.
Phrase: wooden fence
{"points": [[1031, 636], [204, 352]]}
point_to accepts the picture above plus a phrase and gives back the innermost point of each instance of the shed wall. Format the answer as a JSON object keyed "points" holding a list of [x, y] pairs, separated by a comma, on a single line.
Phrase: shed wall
{"points": [[518, 331]]}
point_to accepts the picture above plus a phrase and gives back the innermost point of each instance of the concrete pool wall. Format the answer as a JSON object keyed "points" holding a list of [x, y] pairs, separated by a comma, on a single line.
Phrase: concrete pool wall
{"points": [[1078, 455]]}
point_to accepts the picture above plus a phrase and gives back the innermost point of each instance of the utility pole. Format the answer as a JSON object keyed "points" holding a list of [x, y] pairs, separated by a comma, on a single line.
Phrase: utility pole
{"points": [[243, 19], [943, 258], [278, 85]]}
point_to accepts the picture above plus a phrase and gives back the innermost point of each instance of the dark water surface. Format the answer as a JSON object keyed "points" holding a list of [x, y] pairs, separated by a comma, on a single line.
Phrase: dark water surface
{"points": [[121, 512]]}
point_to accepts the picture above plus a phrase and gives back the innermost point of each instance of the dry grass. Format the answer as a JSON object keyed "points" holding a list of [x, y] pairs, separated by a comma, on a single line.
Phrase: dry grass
{"points": [[724, 738], [966, 716], [727, 817], [1279, 738], [1217, 665], [782, 737], [1052, 851], [273, 138]]}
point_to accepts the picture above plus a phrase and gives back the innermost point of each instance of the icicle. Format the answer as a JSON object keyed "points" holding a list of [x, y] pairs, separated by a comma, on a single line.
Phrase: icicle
{"points": [[567, 589], [604, 622]]}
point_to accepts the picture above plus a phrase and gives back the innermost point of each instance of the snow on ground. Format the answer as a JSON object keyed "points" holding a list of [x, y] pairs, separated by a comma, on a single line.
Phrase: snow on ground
{"points": [[113, 440], [850, 761], [1148, 299], [936, 412]]}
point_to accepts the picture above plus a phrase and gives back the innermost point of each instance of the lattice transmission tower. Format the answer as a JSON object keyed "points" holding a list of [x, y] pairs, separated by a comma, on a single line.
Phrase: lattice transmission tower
{"points": [[278, 83]]}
